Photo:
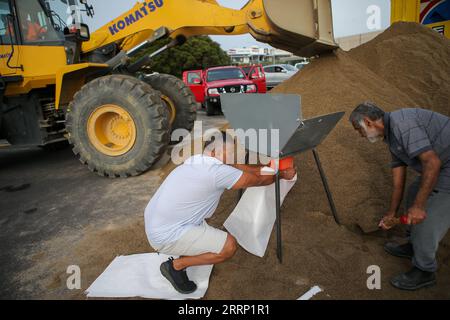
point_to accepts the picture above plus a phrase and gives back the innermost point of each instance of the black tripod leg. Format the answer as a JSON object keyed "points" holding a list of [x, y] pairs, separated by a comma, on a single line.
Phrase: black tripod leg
{"points": [[325, 185], [278, 222], [241, 191]]}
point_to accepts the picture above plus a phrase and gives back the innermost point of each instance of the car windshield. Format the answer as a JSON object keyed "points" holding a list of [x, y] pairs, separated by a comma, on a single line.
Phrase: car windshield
{"points": [[288, 67], [223, 74], [246, 69]]}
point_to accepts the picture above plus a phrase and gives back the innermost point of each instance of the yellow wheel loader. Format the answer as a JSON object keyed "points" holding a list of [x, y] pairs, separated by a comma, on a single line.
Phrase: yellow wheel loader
{"points": [[58, 81]]}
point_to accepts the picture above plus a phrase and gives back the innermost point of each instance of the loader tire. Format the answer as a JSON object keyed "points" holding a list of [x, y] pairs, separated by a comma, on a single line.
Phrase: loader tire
{"points": [[178, 97], [118, 126]]}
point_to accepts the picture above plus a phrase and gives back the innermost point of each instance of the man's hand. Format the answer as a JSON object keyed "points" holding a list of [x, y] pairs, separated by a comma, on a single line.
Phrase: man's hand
{"points": [[288, 174], [387, 216], [416, 215]]}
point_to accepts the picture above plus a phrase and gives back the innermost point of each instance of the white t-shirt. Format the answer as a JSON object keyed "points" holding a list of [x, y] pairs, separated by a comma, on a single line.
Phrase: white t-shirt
{"points": [[190, 194]]}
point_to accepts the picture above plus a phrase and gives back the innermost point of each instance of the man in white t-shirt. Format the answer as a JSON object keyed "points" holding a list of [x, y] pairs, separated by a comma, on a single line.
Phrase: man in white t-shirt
{"points": [[175, 216]]}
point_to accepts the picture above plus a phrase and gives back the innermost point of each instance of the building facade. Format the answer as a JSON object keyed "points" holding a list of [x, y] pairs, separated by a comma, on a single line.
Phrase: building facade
{"points": [[257, 55], [350, 42]]}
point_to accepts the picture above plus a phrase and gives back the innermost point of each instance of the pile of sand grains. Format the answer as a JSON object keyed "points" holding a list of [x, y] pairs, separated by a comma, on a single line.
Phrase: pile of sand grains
{"points": [[405, 66]]}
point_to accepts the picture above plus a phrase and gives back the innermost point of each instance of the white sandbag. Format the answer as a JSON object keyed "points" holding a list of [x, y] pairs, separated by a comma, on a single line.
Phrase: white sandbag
{"points": [[252, 220], [139, 276]]}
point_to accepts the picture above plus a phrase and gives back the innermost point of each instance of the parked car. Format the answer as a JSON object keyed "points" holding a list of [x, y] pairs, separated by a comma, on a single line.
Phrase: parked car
{"points": [[207, 85], [194, 80], [277, 73], [256, 74], [301, 65]]}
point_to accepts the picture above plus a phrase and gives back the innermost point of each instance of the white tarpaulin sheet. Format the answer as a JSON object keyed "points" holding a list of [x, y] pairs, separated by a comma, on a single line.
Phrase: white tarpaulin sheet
{"points": [[139, 276], [311, 293], [252, 220]]}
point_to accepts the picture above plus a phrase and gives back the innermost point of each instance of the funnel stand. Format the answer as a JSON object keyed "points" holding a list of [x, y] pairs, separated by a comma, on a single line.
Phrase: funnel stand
{"points": [[325, 186], [278, 221]]}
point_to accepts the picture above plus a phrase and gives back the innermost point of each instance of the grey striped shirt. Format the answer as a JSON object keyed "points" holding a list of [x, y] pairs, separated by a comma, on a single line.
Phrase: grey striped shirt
{"points": [[410, 132]]}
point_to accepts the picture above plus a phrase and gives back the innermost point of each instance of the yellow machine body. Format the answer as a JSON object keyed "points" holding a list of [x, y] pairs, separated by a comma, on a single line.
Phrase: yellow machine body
{"points": [[421, 11], [52, 69]]}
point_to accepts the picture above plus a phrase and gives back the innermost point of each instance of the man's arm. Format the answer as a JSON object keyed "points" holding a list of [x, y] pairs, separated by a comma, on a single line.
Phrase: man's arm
{"points": [[256, 179], [431, 166], [398, 181], [252, 168]]}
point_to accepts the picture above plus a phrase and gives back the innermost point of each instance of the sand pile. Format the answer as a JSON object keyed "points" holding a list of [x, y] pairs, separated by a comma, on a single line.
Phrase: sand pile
{"points": [[316, 250], [413, 59], [406, 66]]}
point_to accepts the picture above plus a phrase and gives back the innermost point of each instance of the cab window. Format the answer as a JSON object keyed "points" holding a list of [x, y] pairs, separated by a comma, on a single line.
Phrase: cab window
{"points": [[35, 26], [278, 69], [246, 70], [192, 76], [257, 72], [6, 24]]}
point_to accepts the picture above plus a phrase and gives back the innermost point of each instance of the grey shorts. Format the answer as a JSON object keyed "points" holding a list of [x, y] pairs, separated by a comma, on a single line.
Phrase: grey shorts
{"points": [[196, 240]]}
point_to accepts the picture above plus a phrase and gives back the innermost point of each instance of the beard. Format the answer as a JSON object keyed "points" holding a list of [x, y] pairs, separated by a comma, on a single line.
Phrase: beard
{"points": [[372, 134], [374, 139]]}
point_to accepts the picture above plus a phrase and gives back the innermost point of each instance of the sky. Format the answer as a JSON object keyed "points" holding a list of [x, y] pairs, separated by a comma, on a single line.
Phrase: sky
{"points": [[349, 17]]}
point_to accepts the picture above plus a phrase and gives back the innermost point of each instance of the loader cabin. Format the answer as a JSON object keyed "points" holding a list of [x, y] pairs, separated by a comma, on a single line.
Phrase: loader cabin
{"points": [[38, 22], [35, 40], [26, 25]]}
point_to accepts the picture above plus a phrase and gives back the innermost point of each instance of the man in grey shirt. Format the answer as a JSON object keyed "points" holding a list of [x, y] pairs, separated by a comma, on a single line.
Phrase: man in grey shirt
{"points": [[419, 139]]}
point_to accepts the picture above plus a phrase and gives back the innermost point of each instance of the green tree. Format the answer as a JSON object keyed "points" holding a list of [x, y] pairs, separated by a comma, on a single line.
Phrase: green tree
{"points": [[198, 52]]}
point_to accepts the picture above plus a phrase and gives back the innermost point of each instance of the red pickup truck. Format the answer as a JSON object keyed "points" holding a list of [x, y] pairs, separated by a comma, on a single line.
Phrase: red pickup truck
{"points": [[207, 85]]}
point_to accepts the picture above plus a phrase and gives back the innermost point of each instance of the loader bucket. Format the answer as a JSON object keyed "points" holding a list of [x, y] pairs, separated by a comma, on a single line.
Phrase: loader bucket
{"points": [[304, 27]]}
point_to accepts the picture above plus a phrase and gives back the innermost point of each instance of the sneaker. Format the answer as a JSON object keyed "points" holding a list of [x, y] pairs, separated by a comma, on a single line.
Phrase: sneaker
{"points": [[178, 278], [414, 279], [399, 250]]}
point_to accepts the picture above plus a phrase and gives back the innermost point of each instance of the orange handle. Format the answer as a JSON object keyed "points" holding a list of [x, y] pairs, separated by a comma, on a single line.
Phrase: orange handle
{"points": [[284, 163], [404, 219]]}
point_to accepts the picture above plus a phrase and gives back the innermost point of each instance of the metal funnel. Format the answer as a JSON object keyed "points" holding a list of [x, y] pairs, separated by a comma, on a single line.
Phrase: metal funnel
{"points": [[276, 111]]}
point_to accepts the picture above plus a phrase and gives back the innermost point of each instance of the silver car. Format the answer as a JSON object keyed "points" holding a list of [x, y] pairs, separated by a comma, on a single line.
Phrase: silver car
{"points": [[277, 73]]}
